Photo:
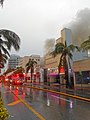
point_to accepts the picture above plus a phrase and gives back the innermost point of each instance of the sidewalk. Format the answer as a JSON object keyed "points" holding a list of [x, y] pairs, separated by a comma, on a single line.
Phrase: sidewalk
{"points": [[82, 91]]}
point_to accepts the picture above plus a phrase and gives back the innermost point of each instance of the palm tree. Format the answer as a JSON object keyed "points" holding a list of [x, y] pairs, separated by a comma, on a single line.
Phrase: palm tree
{"points": [[8, 39], [9, 70], [30, 65], [66, 54], [86, 45], [3, 60]]}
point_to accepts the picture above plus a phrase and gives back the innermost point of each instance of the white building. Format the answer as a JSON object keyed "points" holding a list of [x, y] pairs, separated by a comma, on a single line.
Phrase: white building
{"points": [[13, 61]]}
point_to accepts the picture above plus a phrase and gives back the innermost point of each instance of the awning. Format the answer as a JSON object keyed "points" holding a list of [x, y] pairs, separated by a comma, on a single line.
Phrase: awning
{"points": [[53, 74]]}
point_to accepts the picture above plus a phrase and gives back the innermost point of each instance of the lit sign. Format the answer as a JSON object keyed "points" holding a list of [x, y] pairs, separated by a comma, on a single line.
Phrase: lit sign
{"points": [[62, 70]]}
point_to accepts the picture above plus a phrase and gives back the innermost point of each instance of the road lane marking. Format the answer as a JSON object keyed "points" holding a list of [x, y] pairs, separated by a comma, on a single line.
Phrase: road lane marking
{"points": [[12, 116], [14, 103], [30, 108], [61, 98]]}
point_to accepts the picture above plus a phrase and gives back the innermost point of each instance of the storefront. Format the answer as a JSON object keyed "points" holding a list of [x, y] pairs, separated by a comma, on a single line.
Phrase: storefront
{"points": [[82, 71], [82, 77]]}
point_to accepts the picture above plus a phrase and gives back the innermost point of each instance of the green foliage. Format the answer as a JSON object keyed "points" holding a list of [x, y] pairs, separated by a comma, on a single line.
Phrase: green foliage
{"points": [[30, 65], [8, 39], [3, 111], [86, 45]]}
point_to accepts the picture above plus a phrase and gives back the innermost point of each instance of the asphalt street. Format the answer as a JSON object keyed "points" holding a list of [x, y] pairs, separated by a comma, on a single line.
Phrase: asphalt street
{"points": [[24, 103]]}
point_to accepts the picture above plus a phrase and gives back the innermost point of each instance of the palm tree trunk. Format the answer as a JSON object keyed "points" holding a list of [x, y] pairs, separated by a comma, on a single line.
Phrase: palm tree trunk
{"points": [[26, 74], [66, 72], [31, 74]]}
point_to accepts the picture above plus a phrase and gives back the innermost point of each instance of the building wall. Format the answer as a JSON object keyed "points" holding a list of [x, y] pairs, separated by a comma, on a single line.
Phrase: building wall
{"points": [[52, 62], [82, 71], [81, 65], [25, 59], [59, 40], [14, 60], [66, 35]]}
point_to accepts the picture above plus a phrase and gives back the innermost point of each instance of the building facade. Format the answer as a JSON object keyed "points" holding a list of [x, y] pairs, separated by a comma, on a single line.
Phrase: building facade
{"points": [[17, 61], [13, 61], [80, 63], [24, 60], [82, 70]]}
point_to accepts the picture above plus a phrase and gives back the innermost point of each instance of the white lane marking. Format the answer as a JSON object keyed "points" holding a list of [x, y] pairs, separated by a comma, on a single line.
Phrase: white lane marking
{"points": [[61, 98]]}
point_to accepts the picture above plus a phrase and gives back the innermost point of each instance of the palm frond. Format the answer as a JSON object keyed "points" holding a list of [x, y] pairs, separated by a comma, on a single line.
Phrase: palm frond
{"points": [[30, 63], [5, 51], [27, 68], [1, 41], [86, 48], [86, 45], [12, 38], [73, 47], [3, 58], [59, 47], [70, 55], [53, 53]]}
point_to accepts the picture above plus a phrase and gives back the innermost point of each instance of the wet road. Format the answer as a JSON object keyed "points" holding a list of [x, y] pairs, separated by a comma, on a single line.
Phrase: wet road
{"points": [[24, 103]]}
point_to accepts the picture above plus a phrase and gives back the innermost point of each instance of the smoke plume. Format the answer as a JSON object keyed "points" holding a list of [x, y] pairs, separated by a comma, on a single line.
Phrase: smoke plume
{"points": [[80, 26], [49, 45]]}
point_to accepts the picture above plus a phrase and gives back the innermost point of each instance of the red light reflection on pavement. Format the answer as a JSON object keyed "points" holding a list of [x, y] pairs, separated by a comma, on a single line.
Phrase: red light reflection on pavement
{"points": [[16, 91]]}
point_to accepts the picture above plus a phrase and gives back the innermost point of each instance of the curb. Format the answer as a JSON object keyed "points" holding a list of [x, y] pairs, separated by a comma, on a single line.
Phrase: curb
{"points": [[61, 93]]}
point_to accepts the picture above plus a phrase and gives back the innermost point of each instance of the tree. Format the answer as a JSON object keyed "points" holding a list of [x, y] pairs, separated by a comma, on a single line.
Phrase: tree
{"points": [[66, 54], [85, 46], [30, 65], [3, 59], [8, 39], [3, 111]]}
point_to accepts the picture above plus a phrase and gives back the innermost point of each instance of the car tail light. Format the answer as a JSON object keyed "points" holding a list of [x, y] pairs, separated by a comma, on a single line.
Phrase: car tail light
{"points": [[6, 79], [17, 81]]}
